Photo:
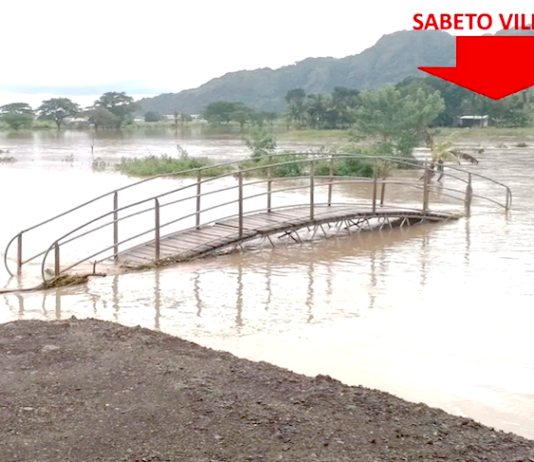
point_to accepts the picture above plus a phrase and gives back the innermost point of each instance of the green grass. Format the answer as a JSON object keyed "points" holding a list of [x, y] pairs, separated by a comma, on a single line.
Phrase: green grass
{"points": [[154, 165], [305, 135], [484, 133]]}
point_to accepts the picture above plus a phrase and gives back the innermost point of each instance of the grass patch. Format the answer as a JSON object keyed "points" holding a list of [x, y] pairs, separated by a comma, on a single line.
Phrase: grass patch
{"points": [[154, 165], [7, 160], [336, 135], [484, 132]]}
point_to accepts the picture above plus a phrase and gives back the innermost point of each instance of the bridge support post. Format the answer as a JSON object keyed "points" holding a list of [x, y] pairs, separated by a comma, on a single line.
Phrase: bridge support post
{"points": [[375, 185], [426, 179], [312, 188], [330, 184], [19, 254], [269, 185], [198, 199], [240, 177], [382, 192], [115, 226], [468, 196], [56, 260], [157, 230]]}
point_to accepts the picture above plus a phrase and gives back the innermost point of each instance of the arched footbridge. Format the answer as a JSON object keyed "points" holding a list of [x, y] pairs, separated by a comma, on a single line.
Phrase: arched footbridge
{"points": [[181, 216]]}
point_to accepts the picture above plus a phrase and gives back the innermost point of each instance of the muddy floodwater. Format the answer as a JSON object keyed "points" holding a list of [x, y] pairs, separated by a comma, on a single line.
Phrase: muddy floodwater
{"points": [[439, 313]]}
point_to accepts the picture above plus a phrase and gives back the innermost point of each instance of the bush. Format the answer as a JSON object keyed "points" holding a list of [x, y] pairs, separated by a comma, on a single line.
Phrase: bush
{"points": [[291, 166], [152, 116], [345, 167], [154, 165]]}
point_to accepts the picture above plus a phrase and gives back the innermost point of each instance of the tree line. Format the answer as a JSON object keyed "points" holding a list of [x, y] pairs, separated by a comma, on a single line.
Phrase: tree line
{"points": [[112, 109], [343, 108]]}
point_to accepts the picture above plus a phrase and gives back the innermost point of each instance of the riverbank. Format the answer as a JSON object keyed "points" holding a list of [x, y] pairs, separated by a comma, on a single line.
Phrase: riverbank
{"points": [[234, 131], [87, 390]]}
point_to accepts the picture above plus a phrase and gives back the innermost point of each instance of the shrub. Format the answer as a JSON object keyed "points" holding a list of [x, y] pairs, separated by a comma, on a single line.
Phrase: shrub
{"points": [[154, 165]]}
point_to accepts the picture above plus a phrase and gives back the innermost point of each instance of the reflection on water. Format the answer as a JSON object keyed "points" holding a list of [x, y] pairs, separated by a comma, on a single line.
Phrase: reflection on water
{"points": [[436, 313]]}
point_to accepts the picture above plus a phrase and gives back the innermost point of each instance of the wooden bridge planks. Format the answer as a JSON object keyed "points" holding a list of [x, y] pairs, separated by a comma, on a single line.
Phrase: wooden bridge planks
{"points": [[186, 244]]}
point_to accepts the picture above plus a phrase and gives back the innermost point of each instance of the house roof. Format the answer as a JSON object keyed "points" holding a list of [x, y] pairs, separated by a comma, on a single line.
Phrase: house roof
{"points": [[476, 117]]}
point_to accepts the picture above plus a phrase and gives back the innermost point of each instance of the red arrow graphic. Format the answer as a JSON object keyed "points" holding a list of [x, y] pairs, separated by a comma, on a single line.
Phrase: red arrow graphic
{"points": [[493, 66]]}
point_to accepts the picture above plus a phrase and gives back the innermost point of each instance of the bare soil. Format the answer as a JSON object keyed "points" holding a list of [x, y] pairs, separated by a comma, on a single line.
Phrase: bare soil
{"points": [[87, 390]]}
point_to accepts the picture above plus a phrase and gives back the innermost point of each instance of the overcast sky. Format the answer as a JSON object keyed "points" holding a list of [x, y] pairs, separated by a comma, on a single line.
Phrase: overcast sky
{"points": [[78, 48]]}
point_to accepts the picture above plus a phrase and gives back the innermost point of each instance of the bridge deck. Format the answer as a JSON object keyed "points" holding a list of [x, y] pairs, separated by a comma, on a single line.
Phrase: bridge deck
{"points": [[191, 243]]}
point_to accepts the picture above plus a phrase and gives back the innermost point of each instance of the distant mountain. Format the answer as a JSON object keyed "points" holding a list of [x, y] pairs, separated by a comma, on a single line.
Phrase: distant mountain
{"points": [[393, 58]]}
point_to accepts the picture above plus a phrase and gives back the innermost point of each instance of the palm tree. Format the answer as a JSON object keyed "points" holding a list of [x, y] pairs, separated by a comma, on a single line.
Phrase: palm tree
{"points": [[444, 152]]}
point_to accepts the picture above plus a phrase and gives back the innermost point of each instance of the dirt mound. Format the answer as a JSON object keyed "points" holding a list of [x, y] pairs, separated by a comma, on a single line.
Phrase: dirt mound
{"points": [[97, 391]]}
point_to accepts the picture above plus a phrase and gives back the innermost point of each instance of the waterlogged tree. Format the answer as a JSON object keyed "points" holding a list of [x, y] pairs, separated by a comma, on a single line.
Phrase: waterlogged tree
{"points": [[260, 143], [58, 109], [102, 118], [395, 120], [17, 115], [120, 105]]}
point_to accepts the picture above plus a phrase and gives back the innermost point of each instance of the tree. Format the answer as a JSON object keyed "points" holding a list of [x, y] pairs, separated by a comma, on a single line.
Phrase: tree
{"points": [[296, 111], [152, 116], [101, 118], [58, 109], [225, 111], [17, 115], [182, 118], [316, 110], [343, 103], [397, 121], [260, 143], [119, 104]]}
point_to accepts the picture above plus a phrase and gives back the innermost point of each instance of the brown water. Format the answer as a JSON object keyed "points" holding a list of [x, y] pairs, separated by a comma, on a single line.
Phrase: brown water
{"points": [[437, 313]]}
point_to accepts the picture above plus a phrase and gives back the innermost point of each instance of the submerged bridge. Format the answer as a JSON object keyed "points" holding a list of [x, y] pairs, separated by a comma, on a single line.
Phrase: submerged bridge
{"points": [[177, 217]]}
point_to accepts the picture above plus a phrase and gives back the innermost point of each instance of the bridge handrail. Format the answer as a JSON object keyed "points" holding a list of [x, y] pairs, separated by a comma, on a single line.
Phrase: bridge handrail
{"points": [[344, 180], [299, 157]]}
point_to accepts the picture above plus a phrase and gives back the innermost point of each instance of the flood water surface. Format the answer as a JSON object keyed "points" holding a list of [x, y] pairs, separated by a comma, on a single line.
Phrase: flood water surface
{"points": [[439, 313]]}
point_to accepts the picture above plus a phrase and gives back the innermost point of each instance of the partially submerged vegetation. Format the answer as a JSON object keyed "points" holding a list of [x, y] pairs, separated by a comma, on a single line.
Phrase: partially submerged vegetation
{"points": [[159, 165], [4, 158]]}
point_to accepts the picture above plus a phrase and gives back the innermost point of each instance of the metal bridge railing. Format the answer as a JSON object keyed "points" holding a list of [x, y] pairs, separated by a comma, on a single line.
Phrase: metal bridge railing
{"points": [[154, 206]]}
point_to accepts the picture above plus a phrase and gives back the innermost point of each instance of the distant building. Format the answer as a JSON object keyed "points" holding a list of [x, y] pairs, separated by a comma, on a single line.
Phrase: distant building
{"points": [[472, 121]]}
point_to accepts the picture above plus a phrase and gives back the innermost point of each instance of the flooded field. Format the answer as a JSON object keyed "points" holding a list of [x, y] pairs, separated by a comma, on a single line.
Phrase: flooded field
{"points": [[436, 313]]}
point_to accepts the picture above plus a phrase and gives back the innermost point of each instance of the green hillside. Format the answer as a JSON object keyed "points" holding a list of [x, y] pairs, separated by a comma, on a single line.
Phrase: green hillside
{"points": [[393, 58]]}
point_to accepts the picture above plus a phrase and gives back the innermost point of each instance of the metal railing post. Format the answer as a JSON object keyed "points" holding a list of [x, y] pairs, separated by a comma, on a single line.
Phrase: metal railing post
{"points": [[198, 198], [19, 254], [375, 180], [240, 177], [56, 260], [330, 184], [468, 196], [269, 185], [425, 188], [312, 188], [157, 229], [383, 192], [116, 226]]}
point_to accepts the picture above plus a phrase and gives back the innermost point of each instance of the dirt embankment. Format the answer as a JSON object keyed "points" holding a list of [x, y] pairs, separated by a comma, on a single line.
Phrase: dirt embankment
{"points": [[96, 391]]}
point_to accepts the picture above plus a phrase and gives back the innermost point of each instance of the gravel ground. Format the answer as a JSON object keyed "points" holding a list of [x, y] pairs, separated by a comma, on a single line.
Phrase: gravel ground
{"points": [[87, 390]]}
